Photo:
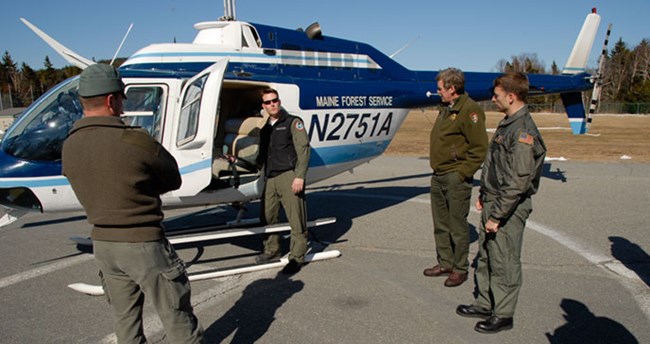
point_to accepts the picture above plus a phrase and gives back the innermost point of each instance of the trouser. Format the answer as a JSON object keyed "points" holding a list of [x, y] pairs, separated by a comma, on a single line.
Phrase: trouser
{"points": [[450, 198], [129, 271], [278, 192], [498, 273]]}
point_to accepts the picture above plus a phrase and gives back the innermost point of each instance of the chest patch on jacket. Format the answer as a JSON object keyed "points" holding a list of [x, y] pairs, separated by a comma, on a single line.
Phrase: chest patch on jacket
{"points": [[526, 138]]}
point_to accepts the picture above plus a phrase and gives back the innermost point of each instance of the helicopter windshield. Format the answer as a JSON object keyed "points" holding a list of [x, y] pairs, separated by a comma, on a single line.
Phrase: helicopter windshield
{"points": [[40, 131]]}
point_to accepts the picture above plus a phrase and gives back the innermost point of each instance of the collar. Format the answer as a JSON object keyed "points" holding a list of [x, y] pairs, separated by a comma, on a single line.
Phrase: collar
{"points": [[282, 115], [458, 103], [99, 121], [515, 116]]}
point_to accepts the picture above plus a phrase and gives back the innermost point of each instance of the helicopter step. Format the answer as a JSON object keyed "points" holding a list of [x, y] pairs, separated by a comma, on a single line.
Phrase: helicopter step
{"points": [[97, 290], [232, 233]]}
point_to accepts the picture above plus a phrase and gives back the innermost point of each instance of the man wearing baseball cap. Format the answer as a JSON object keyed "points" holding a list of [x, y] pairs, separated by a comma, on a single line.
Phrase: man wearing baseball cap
{"points": [[118, 174]]}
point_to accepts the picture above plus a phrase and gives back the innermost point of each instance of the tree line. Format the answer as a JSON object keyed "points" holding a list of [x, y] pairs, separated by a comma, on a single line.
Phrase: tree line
{"points": [[20, 86], [626, 72], [626, 75]]}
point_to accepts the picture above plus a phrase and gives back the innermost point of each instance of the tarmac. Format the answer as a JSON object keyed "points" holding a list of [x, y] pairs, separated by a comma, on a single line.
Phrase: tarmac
{"points": [[585, 263]]}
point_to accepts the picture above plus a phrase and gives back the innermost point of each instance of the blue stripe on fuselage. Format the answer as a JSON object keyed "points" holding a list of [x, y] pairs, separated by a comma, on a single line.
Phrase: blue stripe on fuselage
{"points": [[347, 153], [319, 157]]}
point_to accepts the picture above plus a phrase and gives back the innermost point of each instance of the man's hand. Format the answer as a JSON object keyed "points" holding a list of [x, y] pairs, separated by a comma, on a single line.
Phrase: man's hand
{"points": [[491, 226], [298, 185], [229, 158], [479, 204]]}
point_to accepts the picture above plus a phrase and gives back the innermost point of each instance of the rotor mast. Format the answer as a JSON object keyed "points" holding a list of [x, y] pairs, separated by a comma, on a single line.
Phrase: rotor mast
{"points": [[229, 12]]}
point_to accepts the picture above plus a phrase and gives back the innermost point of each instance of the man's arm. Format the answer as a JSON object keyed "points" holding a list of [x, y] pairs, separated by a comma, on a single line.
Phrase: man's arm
{"points": [[301, 145], [516, 178], [477, 141]]}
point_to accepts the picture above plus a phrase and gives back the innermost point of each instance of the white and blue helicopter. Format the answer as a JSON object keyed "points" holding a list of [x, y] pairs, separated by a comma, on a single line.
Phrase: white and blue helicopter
{"points": [[202, 100]]}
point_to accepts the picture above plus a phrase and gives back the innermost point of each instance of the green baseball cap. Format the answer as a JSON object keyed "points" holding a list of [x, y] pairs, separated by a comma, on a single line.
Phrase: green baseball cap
{"points": [[99, 79]]}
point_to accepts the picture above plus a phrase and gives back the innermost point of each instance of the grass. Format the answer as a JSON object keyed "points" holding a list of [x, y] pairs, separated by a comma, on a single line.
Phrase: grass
{"points": [[610, 136]]}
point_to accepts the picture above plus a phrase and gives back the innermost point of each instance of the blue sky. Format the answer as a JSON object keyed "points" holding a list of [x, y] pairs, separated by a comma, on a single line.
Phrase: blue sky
{"points": [[471, 35]]}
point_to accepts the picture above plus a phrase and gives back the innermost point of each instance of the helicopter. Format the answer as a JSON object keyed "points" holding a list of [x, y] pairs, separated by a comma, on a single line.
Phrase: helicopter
{"points": [[201, 100]]}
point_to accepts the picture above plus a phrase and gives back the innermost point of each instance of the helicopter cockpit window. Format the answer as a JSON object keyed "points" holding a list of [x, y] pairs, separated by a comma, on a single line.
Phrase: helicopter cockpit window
{"points": [[144, 107], [40, 131], [189, 119]]}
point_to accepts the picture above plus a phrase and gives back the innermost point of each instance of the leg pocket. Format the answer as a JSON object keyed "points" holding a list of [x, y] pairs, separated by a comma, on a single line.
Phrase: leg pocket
{"points": [[106, 292], [177, 285]]}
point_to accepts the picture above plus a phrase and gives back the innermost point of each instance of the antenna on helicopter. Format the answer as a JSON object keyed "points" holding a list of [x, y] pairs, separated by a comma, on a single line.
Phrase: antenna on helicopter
{"points": [[404, 47], [228, 10], [120, 47]]}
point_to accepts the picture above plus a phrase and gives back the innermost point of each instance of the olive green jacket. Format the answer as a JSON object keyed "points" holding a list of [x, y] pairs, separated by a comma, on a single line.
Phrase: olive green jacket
{"points": [[513, 166], [458, 138]]}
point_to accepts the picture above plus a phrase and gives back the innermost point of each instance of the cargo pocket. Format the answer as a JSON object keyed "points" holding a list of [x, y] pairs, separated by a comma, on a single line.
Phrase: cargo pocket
{"points": [[106, 293], [511, 263], [177, 285]]}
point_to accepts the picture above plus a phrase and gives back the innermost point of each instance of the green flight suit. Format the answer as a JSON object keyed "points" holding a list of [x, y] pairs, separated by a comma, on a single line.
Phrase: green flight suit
{"points": [[510, 176], [286, 156], [457, 149]]}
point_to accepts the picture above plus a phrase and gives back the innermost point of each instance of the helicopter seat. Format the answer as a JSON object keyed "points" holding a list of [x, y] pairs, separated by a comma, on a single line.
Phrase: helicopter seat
{"points": [[241, 140]]}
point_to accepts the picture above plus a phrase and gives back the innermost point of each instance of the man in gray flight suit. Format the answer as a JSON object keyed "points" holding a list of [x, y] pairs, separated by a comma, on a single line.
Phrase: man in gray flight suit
{"points": [[510, 176]]}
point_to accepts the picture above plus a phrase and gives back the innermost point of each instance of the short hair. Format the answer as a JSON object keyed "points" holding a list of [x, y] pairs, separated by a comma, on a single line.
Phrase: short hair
{"points": [[514, 82], [452, 77], [94, 102], [269, 90]]}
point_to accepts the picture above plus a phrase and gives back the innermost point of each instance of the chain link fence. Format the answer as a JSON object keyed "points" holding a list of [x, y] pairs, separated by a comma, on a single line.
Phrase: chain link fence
{"points": [[603, 108]]}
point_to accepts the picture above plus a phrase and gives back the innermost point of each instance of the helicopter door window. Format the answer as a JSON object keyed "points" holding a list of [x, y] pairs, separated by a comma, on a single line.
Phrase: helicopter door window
{"points": [[189, 118], [143, 108]]}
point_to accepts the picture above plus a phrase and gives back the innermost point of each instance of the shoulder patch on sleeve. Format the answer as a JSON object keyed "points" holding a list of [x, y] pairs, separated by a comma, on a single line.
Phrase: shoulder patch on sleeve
{"points": [[473, 117], [526, 138], [140, 138], [298, 125]]}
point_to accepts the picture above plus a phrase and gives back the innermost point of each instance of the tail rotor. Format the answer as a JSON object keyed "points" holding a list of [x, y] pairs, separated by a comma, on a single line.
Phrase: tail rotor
{"points": [[598, 80]]}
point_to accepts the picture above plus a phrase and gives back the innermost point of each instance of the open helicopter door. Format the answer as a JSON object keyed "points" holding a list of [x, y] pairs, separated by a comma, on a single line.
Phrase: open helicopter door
{"points": [[193, 129]]}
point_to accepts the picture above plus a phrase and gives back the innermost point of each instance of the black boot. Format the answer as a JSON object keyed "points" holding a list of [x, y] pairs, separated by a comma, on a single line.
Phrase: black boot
{"points": [[494, 324]]}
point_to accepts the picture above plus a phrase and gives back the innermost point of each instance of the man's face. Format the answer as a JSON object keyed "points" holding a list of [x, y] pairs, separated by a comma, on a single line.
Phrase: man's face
{"points": [[447, 94], [501, 99], [271, 103]]}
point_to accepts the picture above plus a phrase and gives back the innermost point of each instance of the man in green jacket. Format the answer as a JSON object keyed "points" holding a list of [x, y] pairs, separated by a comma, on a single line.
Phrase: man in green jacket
{"points": [[510, 176], [458, 147], [118, 174]]}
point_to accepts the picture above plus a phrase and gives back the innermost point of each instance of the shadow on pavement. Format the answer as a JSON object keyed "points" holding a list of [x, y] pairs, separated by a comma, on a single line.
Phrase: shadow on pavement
{"points": [[632, 256], [583, 326], [252, 315]]}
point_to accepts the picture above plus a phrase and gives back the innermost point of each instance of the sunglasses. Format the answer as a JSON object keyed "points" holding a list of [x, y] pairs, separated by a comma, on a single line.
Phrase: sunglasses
{"points": [[272, 101]]}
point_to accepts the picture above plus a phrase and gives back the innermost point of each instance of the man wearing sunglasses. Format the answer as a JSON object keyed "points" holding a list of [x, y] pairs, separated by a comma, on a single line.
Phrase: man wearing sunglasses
{"points": [[284, 152]]}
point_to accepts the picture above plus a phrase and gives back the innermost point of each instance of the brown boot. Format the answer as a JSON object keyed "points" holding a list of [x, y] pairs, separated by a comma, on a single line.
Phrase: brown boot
{"points": [[455, 279], [436, 271]]}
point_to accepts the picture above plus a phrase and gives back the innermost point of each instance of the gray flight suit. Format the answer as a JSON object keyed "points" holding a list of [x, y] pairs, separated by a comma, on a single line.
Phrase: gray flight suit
{"points": [[510, 176]]}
